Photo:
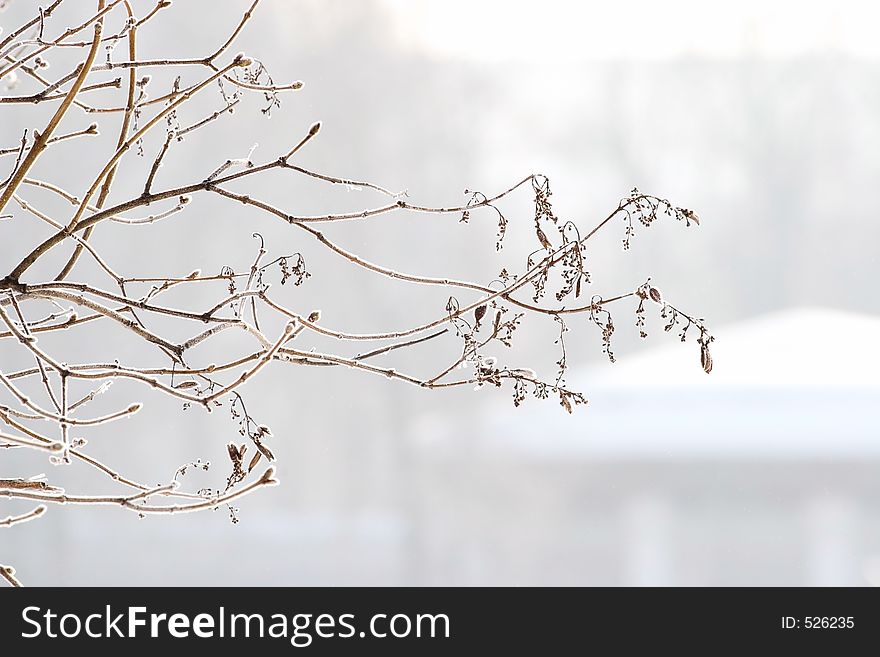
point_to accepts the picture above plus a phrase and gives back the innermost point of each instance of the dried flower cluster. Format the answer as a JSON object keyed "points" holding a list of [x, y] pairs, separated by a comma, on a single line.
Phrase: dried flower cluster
{"points": [[56, 419]]}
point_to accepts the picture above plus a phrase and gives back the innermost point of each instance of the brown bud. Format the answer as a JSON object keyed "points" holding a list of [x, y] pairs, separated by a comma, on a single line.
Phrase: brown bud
{"points": [[268, 478], [242, 60], [655, 295]]}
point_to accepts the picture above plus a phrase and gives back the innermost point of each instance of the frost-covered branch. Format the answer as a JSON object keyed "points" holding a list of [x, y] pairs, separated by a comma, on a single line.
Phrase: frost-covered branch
{"points": [[46, 405]]}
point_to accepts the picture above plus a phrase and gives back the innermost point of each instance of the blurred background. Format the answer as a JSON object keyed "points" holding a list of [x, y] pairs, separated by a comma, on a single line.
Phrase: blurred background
{"points": [[761, 116]]}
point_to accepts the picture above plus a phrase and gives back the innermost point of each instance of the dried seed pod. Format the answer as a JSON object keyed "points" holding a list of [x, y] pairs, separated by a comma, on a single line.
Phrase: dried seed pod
{"points": [[690, 215], [655, 295], [479, 313], [254, 461], [705, 358], [264, 450], [542, 238], [563, 400]]}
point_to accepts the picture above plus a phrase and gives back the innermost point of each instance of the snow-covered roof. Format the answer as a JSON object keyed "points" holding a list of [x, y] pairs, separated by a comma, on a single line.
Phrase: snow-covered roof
{"points": [[795, 384], [800, 346]]}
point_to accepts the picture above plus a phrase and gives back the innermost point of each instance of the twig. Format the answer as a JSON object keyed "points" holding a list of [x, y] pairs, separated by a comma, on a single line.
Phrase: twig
{"points": [[8, 574], [42, 140], [8, 521]]}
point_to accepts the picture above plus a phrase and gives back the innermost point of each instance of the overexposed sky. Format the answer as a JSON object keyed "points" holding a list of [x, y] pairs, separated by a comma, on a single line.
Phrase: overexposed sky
{"points": [[505, 30]]}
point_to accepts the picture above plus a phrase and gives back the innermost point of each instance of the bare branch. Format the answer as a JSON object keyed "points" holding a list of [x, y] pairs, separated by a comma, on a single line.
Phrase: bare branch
{"points": [[47, 399]]}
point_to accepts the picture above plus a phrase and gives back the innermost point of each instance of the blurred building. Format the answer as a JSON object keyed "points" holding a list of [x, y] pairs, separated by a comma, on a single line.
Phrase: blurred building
{"points": [[764, 472]]}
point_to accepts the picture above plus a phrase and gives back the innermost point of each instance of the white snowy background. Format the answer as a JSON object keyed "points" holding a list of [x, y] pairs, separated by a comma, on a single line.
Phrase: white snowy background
{"points": [[764, 117]]}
